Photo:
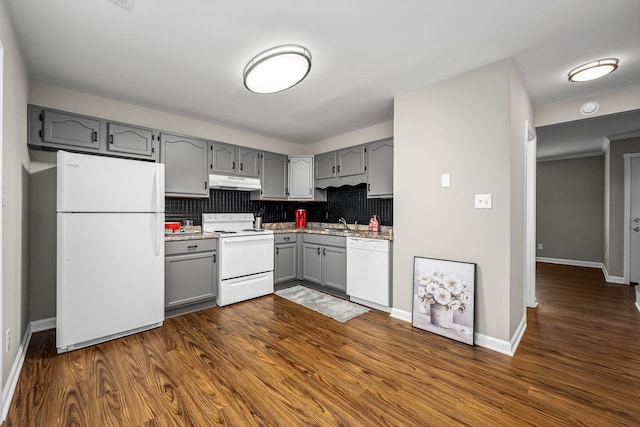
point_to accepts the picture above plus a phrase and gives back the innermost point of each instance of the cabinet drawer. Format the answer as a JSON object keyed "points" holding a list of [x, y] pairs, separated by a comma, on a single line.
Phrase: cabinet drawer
{"points": [[189, 246], [285, 238], [320, 239]]}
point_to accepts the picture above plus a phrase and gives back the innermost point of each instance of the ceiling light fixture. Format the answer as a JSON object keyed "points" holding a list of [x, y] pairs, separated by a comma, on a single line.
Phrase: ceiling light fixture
{"points": [[277, 69], [593, 70]]}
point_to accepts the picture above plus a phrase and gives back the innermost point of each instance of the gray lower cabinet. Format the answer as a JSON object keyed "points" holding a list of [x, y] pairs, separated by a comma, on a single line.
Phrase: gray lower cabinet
{"points": [[380, 169], [190, 272], [286, 257], [324, 260], [186, 167]]}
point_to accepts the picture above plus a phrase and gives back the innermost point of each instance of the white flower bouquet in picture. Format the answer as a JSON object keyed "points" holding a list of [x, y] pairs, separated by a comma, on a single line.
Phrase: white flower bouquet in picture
{"points": [[443, 300]]}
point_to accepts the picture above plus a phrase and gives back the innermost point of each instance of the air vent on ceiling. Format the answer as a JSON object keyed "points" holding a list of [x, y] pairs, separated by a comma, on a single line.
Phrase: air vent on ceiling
{"points": [[127, 4]]}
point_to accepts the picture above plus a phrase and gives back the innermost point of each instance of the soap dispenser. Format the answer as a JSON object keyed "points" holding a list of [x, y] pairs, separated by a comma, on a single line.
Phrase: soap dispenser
{"points": [[374, 223]]}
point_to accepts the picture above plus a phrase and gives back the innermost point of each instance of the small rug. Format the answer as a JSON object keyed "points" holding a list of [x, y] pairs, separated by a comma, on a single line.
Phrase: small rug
{"points": [[333, 307]]}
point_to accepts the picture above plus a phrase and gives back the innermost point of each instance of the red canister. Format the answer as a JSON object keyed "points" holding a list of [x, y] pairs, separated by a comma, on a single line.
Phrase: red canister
{"points": [[301, 218]]}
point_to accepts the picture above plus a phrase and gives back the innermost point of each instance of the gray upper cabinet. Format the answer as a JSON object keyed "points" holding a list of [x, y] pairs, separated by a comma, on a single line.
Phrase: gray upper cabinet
{"points": [[301, 178], [131, 140], [69, 130], [249, 162], [380, 171], [351, 161], [325, 165], [186, 167], [274, 177], [227, 159], [224, 158]]}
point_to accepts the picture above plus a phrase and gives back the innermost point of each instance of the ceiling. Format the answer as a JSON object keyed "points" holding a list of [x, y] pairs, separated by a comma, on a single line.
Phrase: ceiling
{"points": [[187, 56]]}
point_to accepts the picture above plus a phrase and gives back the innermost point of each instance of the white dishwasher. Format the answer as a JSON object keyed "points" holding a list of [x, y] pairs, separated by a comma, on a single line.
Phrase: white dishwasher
{"points": [[369, 272]]}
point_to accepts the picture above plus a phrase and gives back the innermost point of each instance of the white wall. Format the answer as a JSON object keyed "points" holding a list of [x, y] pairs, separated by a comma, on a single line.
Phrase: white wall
{"points": [[15, 180], [57, 97], [464, 127], [361, 136]]}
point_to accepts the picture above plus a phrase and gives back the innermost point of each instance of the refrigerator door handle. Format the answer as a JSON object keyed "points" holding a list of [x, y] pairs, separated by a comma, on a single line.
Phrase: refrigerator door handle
{"points": [[156, 182], [157, 236]]}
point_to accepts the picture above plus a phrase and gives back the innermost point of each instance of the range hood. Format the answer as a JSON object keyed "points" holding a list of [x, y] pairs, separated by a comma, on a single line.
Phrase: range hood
{"points": [[224, 182]]}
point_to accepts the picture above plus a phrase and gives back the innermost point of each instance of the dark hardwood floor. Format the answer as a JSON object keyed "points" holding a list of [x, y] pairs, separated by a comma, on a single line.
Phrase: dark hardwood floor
{"points": [[271, 362]]}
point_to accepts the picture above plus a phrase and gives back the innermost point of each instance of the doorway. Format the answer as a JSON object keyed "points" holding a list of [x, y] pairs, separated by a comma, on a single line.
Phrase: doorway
{"points": [[531, 142], [631, 217]]}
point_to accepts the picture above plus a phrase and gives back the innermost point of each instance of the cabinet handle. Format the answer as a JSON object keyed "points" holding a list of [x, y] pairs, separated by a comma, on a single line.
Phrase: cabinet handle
{"points": [[338, 168], [205, 185], [333, 169], [318, 251], [324, 251], [214, 258], [95, 135], [192, 247], [241, 165], [111, 139], [286, 238], [276, 251], [233, 166], [369, 187]]}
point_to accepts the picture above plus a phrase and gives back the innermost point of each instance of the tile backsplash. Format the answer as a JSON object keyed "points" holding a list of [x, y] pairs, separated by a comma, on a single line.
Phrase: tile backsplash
{"points": [[349, 202]]}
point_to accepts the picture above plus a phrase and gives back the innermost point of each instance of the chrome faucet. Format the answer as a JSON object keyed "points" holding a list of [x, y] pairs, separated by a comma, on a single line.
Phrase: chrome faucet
{"points": [[344, 222]]}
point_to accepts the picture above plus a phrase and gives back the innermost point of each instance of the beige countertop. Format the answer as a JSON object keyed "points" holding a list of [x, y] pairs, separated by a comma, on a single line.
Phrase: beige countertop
{"points": [[386, 233]]}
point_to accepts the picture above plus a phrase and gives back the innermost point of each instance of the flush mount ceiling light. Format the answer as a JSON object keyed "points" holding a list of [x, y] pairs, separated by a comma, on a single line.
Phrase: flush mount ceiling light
{"points": [[593, 70], [277, 69]]}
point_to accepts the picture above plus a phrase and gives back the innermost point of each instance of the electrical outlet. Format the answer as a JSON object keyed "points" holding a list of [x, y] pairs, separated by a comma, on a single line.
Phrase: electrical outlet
{"points": [[540, 246], [483, 201], [8, 341]]}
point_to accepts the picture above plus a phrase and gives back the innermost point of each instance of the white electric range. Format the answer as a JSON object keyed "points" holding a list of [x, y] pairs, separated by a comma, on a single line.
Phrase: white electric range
{"points": [[245, 266]]}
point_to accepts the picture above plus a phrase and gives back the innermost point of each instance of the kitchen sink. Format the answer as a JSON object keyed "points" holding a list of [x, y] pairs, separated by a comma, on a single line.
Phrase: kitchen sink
{"points": [[337, 230]]}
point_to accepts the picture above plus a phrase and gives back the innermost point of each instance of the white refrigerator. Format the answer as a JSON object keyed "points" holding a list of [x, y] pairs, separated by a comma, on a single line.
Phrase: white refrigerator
{"points": [[110, 248]]}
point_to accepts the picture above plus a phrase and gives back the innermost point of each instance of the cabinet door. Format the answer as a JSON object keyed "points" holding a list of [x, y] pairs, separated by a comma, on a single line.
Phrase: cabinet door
{"points": [[334, 267], [312, 263], [130, 140], [186, 169], [325, 165], [301, 177], [70, 130], [248, 159], [224, 159], [380, 170], [285, 262], [189, 278], [351, 161], [274, 176]]}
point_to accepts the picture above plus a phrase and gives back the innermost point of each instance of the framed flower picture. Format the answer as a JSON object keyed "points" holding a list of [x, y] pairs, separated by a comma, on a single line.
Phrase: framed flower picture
{"points": [[443, 297]]}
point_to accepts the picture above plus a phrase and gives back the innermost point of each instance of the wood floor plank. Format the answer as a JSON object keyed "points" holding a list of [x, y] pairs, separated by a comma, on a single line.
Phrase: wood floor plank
{"points": [[269, 362]]}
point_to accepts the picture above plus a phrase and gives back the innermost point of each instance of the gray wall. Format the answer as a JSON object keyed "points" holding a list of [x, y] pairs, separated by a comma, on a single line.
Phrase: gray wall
{"points": [[614, 232], [570, 209], [440, 129], [15, 186]]}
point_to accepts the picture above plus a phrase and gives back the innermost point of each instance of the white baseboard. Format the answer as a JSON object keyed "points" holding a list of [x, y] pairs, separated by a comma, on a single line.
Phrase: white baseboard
{"points": [[501, 346], [14, 374], [610, 279], [613, 279], [573, 262], [401, 314], [43, 325]]}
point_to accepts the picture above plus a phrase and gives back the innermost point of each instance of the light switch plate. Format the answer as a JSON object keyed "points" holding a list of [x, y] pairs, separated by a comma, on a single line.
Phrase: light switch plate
{"points": [[445, 180], [483, 201]]}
